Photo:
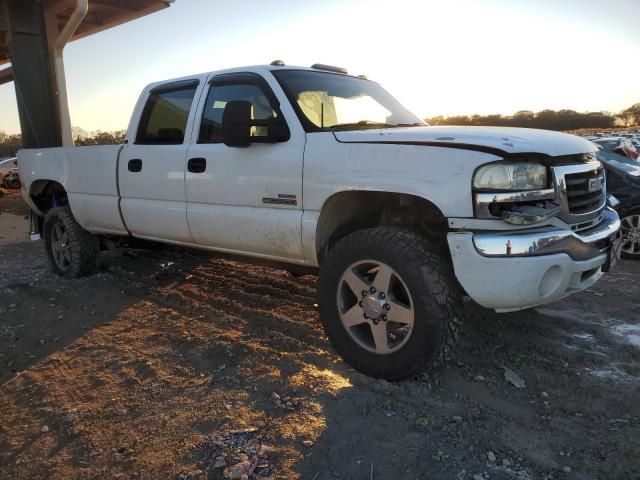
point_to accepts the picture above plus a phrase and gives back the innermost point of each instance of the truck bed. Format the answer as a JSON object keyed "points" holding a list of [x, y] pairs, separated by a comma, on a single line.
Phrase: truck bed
{"points": [[89, 175]]}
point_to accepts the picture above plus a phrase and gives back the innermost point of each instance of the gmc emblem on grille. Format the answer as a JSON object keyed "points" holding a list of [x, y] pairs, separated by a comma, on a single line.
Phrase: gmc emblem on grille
{"points": [[595, 184]]}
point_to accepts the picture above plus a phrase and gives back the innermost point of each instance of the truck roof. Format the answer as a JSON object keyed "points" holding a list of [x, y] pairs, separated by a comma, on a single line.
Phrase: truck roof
{"points": [[260, 69]]}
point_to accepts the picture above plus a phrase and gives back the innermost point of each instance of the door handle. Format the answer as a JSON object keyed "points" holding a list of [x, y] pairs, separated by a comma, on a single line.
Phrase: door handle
{"points": [[135, 165], [197, 165]]}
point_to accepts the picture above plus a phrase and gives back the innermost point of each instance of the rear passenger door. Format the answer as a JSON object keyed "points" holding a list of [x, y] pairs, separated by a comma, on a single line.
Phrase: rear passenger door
{"points": [[151, 169]]}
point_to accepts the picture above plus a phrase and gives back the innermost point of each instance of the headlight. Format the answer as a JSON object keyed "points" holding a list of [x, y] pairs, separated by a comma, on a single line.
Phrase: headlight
{"points": [[511, 176]]}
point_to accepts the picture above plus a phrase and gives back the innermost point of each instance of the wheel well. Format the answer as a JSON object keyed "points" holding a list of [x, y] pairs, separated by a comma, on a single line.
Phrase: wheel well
{"points": [[47, 194], [347, 212]]}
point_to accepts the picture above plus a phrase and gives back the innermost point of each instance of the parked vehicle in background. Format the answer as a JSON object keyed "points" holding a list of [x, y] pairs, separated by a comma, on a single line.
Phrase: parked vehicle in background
{"points": [[621, 146], [315, 167], [9, 169], [623, 182], [12, 180]]}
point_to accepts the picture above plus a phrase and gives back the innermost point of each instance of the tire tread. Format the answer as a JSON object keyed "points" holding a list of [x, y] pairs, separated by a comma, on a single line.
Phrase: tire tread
{"points": [[425, 259], [84, 245]]}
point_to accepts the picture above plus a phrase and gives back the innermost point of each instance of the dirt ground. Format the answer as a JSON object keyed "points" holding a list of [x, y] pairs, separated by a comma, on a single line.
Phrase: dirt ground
{"points": [[170, 364], [14, 217]]}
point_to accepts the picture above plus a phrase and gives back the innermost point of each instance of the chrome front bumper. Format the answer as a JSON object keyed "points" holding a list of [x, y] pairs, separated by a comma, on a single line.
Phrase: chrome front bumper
{"points": [[512, 270], [579, 246]]}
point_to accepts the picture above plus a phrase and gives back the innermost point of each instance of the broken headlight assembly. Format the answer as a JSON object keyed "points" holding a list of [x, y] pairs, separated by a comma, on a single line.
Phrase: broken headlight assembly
{"points": [[510, 177], [518, 193]]}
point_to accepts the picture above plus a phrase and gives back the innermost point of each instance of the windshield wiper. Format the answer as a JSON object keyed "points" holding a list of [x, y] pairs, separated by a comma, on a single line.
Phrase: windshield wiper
{"points": [[361, 123]]}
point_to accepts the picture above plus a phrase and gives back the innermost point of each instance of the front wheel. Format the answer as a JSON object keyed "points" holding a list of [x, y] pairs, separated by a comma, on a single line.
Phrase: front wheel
{"points": [[71, 249], [389, 302], [630, 229]]}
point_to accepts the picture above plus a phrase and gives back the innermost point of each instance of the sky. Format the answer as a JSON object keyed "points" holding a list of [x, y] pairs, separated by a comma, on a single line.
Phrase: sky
{"points": [[438, 57]]}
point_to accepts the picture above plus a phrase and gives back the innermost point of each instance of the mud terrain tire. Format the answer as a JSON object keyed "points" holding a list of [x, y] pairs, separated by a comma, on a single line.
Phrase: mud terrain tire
{"points": [[72, 250], [419, 266]]}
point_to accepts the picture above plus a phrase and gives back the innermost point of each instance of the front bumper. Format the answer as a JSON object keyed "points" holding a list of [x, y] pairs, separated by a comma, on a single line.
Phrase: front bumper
{"points": [[512, 270]]}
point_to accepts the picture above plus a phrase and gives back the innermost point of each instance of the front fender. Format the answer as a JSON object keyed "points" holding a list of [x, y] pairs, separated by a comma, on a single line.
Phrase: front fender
{"points": [[441, 175]]}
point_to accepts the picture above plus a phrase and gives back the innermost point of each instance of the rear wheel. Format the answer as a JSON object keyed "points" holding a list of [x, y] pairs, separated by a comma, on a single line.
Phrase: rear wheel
{"points": [[71, 249], [389, 302], [630, 228], [11, 183]]}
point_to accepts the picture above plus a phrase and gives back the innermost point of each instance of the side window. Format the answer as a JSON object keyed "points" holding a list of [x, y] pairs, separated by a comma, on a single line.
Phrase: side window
{"points": [[164, 118], [219, 95]]}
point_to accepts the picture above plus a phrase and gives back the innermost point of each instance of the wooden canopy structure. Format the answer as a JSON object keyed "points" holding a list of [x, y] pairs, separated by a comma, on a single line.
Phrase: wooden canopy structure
{"points": [[102, 15], [32, 36]]}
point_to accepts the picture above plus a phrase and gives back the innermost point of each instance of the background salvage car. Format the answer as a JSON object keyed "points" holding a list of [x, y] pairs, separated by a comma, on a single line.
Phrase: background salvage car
{"points": [[623, 182], [9, 177], [619, 145]]}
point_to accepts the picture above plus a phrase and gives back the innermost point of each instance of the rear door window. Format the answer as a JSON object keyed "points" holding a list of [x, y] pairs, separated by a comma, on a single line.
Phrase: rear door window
{"points": [[164, 118]]}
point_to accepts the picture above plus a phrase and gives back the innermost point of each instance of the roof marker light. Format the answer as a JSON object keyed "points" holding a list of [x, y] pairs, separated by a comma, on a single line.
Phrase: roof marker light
{"points": [[329, 68]]}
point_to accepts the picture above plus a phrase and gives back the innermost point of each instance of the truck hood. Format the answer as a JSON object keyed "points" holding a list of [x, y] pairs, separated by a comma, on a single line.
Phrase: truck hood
{"points": [[497, 140]]}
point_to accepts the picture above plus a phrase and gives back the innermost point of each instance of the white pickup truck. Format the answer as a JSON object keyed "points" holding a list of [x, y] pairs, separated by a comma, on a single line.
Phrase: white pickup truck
{"points": [[316, 167]]}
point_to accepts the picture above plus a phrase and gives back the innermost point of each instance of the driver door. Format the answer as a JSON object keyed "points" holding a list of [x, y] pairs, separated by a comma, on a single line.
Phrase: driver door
{"points": [[245, 199]]}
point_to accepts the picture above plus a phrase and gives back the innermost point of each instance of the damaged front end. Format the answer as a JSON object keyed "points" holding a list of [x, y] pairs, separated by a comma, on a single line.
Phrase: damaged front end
{"points": [[542, 231], [530, 193]]}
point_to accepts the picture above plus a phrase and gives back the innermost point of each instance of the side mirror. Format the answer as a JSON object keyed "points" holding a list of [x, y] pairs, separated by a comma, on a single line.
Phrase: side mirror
{"points": [[236, 124]]}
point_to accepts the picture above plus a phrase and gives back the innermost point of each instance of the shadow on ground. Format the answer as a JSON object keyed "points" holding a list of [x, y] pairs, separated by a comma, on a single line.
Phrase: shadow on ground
{"points": [[177, 365]]}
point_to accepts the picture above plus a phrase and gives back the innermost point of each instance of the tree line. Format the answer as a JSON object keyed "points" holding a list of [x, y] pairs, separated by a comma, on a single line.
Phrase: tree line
{"points": [[548, 119], [545, 119], [10, 144], [101, 138]]}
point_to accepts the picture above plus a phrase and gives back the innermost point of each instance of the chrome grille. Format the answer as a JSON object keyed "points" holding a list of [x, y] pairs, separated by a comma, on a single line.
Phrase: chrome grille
{"points": [[581, 192], [584, 191]]}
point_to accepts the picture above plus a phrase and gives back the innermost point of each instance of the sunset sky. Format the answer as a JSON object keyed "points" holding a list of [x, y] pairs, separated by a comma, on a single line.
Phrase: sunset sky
{"points": [[438, 57]]}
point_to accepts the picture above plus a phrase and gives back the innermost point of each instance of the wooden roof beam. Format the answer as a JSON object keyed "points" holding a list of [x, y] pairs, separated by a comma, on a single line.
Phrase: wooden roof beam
{"points": [[124, 5]]}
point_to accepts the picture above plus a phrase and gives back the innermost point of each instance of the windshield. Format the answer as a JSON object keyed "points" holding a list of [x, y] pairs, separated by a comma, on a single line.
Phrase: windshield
{"points": [[328, 101]]}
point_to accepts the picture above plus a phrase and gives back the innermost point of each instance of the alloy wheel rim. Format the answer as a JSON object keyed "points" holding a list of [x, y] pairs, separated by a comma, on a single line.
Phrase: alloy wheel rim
{"points": [[60, 246], [375, 306], [630, 227]]}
